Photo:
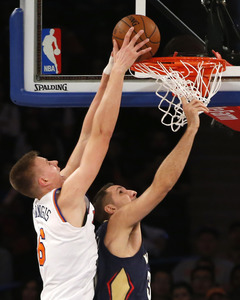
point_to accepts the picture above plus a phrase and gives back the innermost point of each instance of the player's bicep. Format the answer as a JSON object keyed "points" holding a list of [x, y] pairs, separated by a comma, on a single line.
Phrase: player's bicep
{"points": [[81, 179], [92, 159]]}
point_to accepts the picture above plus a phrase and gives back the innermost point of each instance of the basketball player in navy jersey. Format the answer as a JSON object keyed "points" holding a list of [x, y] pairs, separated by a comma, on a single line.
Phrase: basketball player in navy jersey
{"points": [[62, 214], [123, 271]]}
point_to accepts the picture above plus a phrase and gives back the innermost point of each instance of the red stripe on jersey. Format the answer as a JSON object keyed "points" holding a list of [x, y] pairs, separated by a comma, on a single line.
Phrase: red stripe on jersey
{"points": [[109, 286], [132, 286]]}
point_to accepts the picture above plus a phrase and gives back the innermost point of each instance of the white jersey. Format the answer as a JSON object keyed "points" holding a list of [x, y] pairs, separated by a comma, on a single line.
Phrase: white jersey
{"points": [[66, 254]]}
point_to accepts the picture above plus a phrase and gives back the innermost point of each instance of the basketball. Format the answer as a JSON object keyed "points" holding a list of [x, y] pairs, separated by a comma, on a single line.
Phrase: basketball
{"points": [[139, 22]]}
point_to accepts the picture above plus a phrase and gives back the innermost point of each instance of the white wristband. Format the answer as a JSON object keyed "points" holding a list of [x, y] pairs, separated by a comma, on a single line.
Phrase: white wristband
{"points": [[109, 66]]}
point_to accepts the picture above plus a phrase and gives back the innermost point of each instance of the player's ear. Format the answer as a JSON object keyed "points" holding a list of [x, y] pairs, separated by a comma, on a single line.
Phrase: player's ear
{"points": [[43, 182], [110, 209]]}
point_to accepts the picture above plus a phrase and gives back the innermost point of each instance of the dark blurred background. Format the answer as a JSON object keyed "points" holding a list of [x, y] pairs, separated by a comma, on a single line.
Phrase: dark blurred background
{"points": [[207, 194]]}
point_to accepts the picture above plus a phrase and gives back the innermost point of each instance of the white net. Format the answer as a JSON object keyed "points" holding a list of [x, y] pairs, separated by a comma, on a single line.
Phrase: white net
{"points": [[191, 82]]}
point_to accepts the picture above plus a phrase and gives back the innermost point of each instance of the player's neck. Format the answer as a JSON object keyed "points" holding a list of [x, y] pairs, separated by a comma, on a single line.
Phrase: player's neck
{"points": [[44, 191]]}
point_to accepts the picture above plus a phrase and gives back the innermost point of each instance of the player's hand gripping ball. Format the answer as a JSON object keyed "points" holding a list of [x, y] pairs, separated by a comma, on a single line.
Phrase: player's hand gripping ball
{"points": [[139, 22]]}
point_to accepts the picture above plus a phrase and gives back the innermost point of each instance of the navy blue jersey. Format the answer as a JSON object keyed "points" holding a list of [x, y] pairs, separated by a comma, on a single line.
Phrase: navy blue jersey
{"points": [[121, 278]]}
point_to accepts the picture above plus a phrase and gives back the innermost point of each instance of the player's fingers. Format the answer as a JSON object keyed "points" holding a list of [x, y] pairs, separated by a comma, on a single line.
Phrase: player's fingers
{"points": [[196, 102], [136, 36], [205, 109], [200, 106], [127, 36], [115, 48], [202, 110], [141, 52], [184, 100], [139, 45]]}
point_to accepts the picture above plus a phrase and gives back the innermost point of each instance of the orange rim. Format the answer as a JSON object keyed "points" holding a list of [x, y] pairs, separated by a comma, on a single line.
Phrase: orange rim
{"points": [[177, 63]]}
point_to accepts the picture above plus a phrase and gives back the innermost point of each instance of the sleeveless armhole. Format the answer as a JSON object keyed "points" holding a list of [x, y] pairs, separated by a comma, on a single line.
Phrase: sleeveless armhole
{"points": [[56, 205], [87, 211], [59, 210]]}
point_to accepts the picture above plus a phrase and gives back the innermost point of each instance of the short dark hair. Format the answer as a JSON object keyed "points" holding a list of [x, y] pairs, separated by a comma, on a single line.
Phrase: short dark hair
{"points": [[22, 176], [100, 200]]}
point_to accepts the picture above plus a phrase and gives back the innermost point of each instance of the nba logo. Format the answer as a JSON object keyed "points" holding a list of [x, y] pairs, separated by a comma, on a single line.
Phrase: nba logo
{"points": [[51, 51]]}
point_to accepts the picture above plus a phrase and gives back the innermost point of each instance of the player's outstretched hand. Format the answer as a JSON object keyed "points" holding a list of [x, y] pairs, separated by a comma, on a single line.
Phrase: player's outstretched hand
{"points": [[130, 50], [192, 110]]}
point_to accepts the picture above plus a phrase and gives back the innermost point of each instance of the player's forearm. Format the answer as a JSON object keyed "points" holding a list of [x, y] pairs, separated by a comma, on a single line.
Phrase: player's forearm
{"points": [[172, 167], [88, 120], [107, 113], [165, 178], [75, 158]]}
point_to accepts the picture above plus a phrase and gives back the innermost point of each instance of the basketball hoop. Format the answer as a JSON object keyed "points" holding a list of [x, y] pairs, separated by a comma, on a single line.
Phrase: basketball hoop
{"points": [[189, 77]]}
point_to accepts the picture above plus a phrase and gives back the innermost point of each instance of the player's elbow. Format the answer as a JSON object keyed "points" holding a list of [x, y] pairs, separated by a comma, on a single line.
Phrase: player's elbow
{"points": [[162, 188], [105, 133], [103, 140]]}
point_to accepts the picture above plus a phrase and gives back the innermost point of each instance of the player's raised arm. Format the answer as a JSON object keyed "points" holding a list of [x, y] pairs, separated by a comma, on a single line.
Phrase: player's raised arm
{"points": [[121, 67], [168, 172], [75, 158], [103, 124]]}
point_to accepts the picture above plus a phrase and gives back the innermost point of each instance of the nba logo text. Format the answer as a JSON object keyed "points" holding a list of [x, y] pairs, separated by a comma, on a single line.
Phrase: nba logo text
{"points": [[51, 51]]}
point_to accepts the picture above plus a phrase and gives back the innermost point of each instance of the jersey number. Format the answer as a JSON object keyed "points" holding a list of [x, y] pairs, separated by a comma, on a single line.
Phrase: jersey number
{"points": [[41, 248], [149, 285]]}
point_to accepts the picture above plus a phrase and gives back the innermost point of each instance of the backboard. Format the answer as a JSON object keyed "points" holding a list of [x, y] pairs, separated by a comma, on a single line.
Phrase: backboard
{"points": [[83, 33]]}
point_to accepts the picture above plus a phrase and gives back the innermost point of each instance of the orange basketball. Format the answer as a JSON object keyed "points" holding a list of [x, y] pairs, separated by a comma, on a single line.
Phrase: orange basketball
{"points": [[139, 22]]}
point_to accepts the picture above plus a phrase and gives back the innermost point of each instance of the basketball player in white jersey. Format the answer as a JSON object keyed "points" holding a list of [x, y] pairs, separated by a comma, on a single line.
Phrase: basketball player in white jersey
{"points": [[62, 214]]}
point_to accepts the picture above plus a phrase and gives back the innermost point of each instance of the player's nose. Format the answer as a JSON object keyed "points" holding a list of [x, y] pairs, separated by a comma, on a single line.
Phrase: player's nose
{"points": [[54, 162], [132, 194]]}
